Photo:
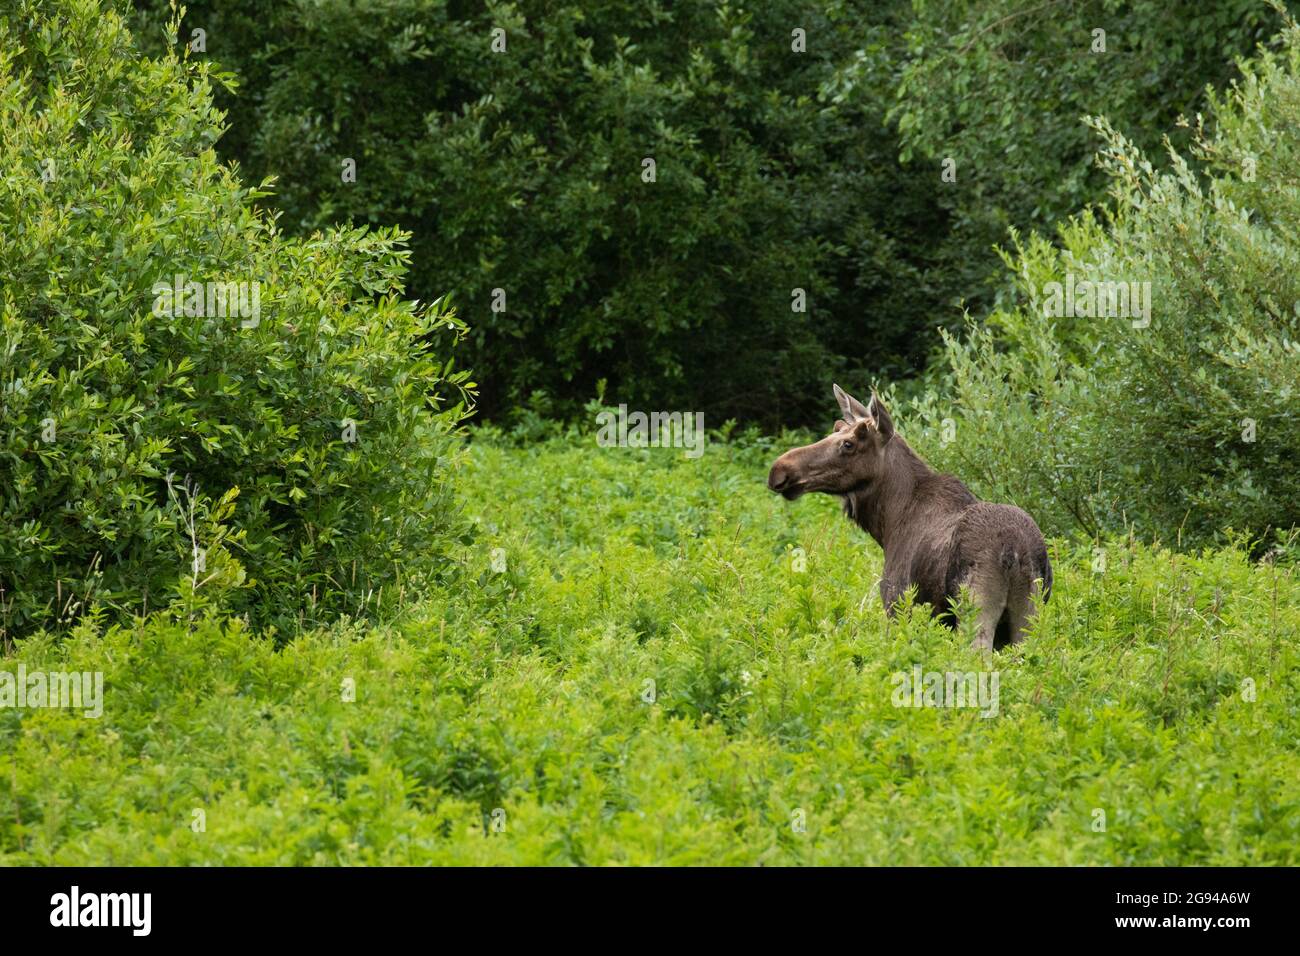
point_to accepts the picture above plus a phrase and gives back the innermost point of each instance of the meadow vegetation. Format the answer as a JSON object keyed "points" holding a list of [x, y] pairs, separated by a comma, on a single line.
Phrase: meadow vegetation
{"points": [[650, 679]]}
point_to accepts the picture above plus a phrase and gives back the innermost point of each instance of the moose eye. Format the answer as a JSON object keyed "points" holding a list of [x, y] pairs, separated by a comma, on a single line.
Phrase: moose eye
{"points": [[846, 445]]}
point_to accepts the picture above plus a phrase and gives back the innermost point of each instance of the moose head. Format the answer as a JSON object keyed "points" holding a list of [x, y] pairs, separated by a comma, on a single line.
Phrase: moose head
{"points": [[851, 457]]}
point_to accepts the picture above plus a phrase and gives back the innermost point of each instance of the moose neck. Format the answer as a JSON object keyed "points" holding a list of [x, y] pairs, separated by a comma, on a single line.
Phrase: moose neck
{"points": [[882, 508]]}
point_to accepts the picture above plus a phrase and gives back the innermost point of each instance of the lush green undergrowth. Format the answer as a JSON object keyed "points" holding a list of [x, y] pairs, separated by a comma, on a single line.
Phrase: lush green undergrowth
{"points": [[642, 674]]}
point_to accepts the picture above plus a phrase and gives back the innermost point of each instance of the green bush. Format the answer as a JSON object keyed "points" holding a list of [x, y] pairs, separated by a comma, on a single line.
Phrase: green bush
{"points": [[1182, 428], [149, 454]]}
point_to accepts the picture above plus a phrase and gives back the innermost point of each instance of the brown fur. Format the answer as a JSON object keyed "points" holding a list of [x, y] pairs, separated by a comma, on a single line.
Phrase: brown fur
{"points": [[934, 532]]}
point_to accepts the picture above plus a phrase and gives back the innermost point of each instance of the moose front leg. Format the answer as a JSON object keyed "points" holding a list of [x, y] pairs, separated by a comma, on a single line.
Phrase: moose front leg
{"points": [[890, 593]]}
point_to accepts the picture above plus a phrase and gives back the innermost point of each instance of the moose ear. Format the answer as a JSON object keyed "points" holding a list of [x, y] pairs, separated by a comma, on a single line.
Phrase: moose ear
{"points": [[880, 415], [850, 406]]}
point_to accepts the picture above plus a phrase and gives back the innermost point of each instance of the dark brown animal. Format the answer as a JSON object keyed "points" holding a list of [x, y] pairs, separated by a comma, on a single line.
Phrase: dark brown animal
{"points": [[934, 532]]}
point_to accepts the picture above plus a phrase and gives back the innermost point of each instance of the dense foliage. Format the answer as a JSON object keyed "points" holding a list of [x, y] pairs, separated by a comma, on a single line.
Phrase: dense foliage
{"points": [[521, 170], [1182, 422], [1002, 86], [156, 447], [645, 676]]}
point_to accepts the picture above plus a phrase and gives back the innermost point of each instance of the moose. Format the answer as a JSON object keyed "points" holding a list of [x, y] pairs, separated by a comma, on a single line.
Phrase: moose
{"points": [[936, 535]]}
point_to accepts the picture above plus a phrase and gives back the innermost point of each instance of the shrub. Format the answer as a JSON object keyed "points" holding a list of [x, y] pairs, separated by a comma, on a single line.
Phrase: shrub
{"points": [[148, 452], [1184, 427]]}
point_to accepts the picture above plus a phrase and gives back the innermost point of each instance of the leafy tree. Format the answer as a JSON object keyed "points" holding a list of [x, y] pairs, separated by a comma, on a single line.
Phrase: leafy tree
{"points": [[1001, 88], [1180, 422], [520, 170], [523, 171], [292, 459]]}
